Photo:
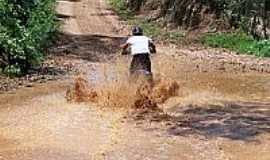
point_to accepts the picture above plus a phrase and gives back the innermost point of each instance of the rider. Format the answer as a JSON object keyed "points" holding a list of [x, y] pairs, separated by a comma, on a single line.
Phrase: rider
{"points": [[141, 47]]}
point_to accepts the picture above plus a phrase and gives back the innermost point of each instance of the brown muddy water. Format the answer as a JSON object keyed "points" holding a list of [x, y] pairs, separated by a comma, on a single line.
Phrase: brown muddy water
{"points": [[111, 79], [217, 114], [228, 110], [236, 86]]}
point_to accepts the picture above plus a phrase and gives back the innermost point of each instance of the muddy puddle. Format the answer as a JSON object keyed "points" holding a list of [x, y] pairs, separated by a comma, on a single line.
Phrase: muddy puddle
{"points": [[210, 105], [110, 84], [228, 85]]}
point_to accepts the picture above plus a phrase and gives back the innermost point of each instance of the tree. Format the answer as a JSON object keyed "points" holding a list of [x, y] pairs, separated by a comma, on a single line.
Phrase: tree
{"points": [[25, 27]]}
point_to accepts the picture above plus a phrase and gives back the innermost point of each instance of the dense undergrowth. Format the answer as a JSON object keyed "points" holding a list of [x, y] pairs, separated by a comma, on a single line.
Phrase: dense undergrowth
{"points": [[26, 28], [239, 42]]}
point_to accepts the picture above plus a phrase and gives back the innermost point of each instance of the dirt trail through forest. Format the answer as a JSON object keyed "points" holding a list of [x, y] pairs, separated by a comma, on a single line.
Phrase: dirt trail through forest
{"points": [[218, 115]]}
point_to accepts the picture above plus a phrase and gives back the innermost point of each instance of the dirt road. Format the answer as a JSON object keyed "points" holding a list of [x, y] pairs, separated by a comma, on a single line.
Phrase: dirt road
{"points": [[206, 122]]}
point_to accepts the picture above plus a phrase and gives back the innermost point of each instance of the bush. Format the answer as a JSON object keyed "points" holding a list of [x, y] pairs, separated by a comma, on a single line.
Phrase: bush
{"points": [[261, 48], [26, 27], [120, 7], [239, 42]]}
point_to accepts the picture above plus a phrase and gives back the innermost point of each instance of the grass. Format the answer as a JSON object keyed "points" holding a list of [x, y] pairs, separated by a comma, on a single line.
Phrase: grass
{"points": [[239, 42], [151, 29]]}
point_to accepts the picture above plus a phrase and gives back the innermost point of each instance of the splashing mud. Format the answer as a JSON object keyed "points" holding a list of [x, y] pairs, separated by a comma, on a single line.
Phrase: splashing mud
{"points": [[81, 91], [109, 85]]}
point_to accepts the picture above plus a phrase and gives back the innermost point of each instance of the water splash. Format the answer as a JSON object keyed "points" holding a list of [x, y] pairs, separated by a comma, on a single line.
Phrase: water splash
{"points": [[110, 86]]}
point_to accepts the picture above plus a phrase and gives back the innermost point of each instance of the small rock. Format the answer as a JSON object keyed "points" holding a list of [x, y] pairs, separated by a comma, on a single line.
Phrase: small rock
{"points": [[29, 85]]}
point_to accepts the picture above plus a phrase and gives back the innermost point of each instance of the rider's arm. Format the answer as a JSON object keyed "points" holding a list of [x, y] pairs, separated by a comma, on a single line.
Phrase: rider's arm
{"points": [[127, 43], [152, 47], [124, 46]]}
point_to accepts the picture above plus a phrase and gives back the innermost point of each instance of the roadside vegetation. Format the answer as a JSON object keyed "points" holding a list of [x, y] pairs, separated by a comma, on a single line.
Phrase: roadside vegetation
{"points": [[152, 29], [246, 22], [239, 42], [26, 28]]}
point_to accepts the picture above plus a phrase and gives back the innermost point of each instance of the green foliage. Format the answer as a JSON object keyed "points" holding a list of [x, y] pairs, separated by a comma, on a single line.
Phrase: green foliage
{"points": [[12, 70], [249, 14], [261, 48], [239, 42], [120, 7], [154, 30], [150, 28], [241, 14], [25, 29]]}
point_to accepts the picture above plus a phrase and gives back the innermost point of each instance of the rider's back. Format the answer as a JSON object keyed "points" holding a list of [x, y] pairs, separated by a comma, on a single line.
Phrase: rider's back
{"points": [[139, 44]]}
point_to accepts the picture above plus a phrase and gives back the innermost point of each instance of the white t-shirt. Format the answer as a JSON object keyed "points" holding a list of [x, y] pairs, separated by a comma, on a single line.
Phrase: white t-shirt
{"points": [[139, 44]]}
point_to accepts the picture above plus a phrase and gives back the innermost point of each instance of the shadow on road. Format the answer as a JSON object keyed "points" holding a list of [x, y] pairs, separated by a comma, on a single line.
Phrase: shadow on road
{"points": [[64, 16], [103, 14], [236, 121], [91, 47]]}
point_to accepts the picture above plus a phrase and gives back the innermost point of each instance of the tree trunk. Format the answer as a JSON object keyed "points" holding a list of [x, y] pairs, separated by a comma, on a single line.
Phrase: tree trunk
{"points": [[265, 17]]}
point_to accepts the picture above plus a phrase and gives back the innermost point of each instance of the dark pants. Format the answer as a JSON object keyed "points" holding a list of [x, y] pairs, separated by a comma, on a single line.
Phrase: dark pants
{"points": [[141, 65], [140, 62]]}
